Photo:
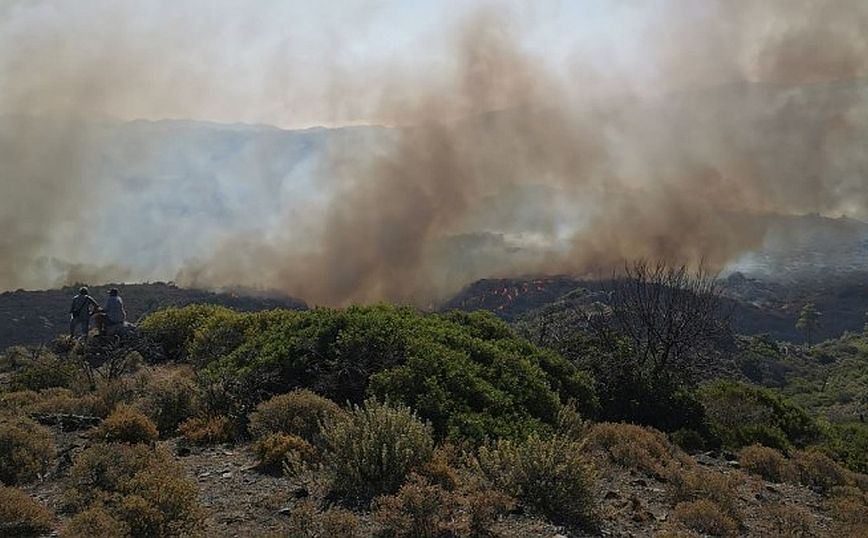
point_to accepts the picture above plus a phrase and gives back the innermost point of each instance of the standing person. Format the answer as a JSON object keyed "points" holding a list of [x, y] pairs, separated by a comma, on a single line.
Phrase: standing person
{"points": [[116, 315], [83, 306]]}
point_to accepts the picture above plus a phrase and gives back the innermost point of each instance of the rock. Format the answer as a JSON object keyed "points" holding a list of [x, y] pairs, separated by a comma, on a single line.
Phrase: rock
{"points": [[286, 511], [639, 482], [301, 493], [182, 451], [227, 474], [612, 495]]}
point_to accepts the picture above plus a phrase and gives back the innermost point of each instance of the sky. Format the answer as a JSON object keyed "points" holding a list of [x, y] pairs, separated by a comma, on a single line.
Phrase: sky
{"points": [[286, 63]]}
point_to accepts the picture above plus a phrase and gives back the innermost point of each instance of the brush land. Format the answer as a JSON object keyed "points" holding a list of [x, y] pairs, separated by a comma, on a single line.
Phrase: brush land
{"points": [[570, 419]]}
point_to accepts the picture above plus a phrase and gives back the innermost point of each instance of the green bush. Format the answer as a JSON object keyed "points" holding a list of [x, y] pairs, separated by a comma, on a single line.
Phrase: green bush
{"points": [[848, 443], [26, 449], [127, 425], [174, 328], [742, 415], [300, 413], [142, 488], [373, 449], [466, 373], [551, 476], [22, 516]]}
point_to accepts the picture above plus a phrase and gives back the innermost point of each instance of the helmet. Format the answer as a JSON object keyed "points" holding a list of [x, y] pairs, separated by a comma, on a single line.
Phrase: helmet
{"points": [[83, 291]]}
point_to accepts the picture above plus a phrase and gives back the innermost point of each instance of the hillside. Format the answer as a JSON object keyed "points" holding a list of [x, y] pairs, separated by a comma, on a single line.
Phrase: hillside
{"points": [[33, 317], [455, 427]]}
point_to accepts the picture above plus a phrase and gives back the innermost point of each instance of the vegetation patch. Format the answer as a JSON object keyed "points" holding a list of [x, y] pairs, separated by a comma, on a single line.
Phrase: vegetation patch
{"points": [[26, 450], [127, 425], [20, 515], [634, 447], [299, 413], [372, 451]]}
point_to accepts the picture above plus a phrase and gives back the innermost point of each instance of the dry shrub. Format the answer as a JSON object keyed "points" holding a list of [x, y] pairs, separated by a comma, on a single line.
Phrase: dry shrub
{"points": [[307, 521], [14, 403], [170, 399], [26, 449], [20, 515], [279, 451], [791, 521], [64, 401], [207, 430], [551, 476], [374, 448], [765, 462], [635, 447], [819, 472], [441, 470], [300, 413], [695, 483], [706, 517], [95, 522], [141, 487], [425, 510], [127, 425]]}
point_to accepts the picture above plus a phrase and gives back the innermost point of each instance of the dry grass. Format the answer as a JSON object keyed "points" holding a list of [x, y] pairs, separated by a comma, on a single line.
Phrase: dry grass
{"points": [[551, 476], [706, 517], [26, 450], [634, 447], [280, 451], [94, 522], [22, 516], [766, 462], [127, 425], [307, 520], [695, 483], [820, 472], [300, 413], [791, 521], [207, 430]]}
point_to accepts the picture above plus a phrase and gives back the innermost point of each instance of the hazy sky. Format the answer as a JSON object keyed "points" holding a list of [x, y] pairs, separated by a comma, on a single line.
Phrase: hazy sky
{"points": [[288, 63]]}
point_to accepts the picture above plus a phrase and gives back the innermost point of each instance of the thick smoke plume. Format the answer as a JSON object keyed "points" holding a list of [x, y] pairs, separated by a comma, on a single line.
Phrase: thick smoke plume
{"points": [[507, 162]]}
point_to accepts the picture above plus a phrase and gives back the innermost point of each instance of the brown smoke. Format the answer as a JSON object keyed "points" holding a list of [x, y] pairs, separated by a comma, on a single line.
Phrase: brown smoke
{"points": [[507, 163]]}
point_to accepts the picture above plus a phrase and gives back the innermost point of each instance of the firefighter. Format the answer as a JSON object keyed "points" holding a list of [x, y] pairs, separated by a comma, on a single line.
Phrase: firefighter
{"points": [[82, 308]]}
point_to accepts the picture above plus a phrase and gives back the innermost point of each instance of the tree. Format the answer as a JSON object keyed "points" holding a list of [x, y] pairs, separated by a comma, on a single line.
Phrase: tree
{"points": [[809, 321], [671, 317]]}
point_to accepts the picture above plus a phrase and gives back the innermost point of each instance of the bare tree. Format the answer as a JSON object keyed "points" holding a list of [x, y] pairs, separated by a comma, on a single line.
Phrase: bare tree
{"points": [[669, 315]]}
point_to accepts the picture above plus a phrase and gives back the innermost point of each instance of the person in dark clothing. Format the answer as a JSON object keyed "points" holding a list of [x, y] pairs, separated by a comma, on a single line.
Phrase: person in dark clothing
{"points": [[83, 306]]}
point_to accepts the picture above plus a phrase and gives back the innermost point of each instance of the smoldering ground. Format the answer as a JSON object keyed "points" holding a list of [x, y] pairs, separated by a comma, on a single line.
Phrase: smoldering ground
{"points": [[506, 161]]}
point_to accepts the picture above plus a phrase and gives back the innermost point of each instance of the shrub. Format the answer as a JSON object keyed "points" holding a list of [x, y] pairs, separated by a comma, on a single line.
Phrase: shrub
{"points": [[820, 472], [26, 449], [174, 328], [94, 522], [765, 462], [850, 515], [63, 401], [425, 510], [127, 425], [372, 451], [207, 430], [550, 476], [791, 520], [634, 447], [705, 517], [46, 372], [743, 415], [140, 487], [300, 413], [694, 484], [169, 401], [279, 450], [22, 516], [848, 443], [468, 374], [307, 521]]}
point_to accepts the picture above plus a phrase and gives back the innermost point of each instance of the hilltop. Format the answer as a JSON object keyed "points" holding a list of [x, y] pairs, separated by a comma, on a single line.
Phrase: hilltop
{"points": [[33, 317]]}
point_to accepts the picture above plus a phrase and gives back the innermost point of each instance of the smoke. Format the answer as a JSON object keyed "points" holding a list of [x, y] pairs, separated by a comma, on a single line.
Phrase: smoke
{"points": [[502, 159]]}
